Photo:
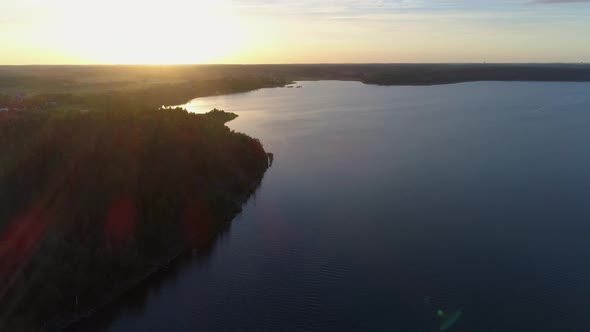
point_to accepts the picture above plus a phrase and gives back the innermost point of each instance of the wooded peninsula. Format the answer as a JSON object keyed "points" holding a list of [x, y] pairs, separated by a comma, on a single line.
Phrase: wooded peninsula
{"points": [[100, 189]]}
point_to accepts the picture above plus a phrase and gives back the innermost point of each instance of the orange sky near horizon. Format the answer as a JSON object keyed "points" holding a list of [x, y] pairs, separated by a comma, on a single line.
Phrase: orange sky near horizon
{"points": [[264, 31]]}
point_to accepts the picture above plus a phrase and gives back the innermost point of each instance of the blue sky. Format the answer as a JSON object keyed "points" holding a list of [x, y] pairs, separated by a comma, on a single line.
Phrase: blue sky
{"points": [[279, 31]]}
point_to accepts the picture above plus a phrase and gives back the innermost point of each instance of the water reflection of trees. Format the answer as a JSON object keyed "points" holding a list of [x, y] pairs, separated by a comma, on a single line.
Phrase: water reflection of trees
{"points": [[135, 300]]}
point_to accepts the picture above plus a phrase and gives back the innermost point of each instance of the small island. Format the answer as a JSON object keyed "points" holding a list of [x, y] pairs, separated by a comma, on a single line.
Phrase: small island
{"points": [[96, 201]]}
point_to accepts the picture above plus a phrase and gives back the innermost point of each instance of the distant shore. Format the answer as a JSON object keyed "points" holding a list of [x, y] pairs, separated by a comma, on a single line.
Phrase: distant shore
{"points": [[205, 80], [436, 75]]}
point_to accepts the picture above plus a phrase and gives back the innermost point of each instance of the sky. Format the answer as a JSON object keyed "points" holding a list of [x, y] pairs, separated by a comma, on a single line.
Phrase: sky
{"points": [[303, 31]]}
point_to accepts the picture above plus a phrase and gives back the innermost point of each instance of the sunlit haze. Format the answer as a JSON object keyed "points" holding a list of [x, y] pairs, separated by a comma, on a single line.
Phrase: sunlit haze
{"points": [[277, 31]]}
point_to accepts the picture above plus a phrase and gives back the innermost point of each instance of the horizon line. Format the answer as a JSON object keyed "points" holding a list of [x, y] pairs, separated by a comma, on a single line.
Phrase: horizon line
{"points": [[293, 64]]}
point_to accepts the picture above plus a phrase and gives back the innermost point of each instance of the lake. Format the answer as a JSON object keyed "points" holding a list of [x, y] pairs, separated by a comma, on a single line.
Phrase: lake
{"points": [[385, 205]]}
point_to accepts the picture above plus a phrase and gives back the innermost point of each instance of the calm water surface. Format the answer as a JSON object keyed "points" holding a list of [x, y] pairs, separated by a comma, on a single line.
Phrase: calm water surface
{"points": [[387, 204]]}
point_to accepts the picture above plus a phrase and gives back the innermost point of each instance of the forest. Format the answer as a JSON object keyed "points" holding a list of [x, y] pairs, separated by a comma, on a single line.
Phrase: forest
{"points": [[92, 202], [212, 79], [146, 96]]}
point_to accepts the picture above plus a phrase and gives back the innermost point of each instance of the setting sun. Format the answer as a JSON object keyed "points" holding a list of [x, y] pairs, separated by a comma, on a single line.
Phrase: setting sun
{"points": [[281, 31]]}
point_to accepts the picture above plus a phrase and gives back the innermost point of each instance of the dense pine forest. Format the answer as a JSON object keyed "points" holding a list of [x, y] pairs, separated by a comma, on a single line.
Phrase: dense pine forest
{"points": [[92, 201]]}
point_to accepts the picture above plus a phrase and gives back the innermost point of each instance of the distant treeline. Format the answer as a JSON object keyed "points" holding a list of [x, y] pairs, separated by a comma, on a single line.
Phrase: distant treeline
{"points": [[443, 74], [87, 79], [91, 202]]}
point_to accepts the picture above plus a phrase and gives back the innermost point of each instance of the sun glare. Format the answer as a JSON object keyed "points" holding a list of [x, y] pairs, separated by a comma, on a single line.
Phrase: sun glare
{"points": [[143, 33]]}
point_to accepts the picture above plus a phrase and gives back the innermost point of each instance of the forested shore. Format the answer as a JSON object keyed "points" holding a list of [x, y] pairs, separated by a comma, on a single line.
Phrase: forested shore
{"points": [[94, 201]]}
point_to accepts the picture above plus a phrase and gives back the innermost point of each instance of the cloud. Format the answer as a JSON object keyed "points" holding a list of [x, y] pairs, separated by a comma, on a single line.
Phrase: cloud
{"points": [[559, 1]]}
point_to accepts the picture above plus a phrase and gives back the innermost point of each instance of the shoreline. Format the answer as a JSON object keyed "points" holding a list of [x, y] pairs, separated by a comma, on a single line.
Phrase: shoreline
{"points": [[472, 81], [278, 86], [68, 321], [94, 264], [402, 84]]}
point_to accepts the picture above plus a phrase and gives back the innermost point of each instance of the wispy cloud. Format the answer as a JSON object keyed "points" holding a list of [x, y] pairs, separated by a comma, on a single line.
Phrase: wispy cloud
{"points": [[380, 7], [378, 10], [559, 1], [359, 6], [316, 30]]}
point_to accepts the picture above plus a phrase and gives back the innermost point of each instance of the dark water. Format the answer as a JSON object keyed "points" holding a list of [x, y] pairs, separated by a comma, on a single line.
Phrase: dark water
{"points": [[386, 204]]}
